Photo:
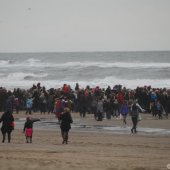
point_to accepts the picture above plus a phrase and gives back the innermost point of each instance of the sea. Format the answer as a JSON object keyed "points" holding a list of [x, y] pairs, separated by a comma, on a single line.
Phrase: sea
{"points": [[53, 69]]}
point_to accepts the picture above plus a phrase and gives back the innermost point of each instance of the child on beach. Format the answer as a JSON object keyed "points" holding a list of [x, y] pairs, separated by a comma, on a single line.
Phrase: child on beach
{"points": [[28, 128]]}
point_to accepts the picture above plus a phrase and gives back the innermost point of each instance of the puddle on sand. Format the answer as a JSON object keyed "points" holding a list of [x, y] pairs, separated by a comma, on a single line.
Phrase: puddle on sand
{"points": [[53, 124]]}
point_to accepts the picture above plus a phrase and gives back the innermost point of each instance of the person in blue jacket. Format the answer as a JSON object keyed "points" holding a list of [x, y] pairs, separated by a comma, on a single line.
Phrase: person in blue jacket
{"points": [[124, 110], [29, 103]]}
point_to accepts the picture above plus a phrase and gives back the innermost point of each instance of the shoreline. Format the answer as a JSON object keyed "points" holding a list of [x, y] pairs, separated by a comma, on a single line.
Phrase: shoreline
{"points": [[147, 126]]}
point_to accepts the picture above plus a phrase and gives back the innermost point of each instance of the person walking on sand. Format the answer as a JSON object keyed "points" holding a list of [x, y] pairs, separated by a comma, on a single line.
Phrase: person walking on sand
{"points": [[65, 125], [124, 110], [135, 115], [28, 128], [7, 120]]}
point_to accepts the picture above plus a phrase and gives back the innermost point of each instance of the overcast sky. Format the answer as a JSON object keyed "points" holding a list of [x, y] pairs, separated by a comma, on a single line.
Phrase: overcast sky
{"points": [[84, 25]]}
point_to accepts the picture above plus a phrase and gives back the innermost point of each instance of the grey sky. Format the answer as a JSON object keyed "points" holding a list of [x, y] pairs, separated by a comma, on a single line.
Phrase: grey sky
{"points": [[84, 25]]}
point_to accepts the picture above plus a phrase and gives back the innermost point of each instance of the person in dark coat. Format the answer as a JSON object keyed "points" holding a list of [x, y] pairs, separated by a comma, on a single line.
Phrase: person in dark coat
{"points": [[7, 120], [135, 109], [65, 125], [28, 128]]}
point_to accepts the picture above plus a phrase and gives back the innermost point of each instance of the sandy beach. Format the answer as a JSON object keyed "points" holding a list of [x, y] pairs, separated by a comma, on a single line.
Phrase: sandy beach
{"points": [[88, 148], [94, 57]]}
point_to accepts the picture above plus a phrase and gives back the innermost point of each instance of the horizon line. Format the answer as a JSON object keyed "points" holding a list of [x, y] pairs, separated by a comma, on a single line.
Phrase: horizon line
{"points": [[85, 51]]}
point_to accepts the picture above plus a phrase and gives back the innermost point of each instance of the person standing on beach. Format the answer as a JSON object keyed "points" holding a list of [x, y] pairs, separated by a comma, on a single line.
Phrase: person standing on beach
{"points": [[17, 105], [7, 120], [58, 109], [65, 125], [153, 109], [29, 103], [100, 109], [115, 108], [28, 128], [10, 102], [124, 110], [159, 109], [135, 115]]}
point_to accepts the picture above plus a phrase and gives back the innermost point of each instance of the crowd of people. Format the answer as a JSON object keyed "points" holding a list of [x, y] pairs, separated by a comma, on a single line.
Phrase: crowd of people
{"points": [[110, 102], [84, 100]]}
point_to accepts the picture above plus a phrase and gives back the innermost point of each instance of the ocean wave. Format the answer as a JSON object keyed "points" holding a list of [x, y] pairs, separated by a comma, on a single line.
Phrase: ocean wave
{"points": [[33, 62], [5, 62], [77, 65], [115, 64], [19, 76], [103, 83], [132, 83]]}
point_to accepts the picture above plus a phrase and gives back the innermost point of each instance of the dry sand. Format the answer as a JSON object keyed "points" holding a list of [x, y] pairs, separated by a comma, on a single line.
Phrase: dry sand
{"points": [[88, 150]]}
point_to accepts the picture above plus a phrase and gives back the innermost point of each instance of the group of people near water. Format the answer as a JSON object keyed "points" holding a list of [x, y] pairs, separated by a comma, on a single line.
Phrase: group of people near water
{"points": [[114, 102]]}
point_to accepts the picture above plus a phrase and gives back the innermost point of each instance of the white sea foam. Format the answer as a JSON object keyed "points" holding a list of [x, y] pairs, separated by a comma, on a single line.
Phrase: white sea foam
{"points": [[85, 64], [18, 76], [18, 81], [76, 65], [110, 80], [4, 62], [116, 64], [32, 62]]}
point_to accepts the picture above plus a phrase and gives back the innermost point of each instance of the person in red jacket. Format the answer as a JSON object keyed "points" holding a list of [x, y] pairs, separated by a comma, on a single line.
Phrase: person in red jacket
{"points": [[121, 98], [65, 89], [58, 108]]}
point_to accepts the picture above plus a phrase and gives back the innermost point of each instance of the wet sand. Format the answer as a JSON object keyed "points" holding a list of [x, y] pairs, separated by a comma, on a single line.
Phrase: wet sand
{"points": [[88, 148]]}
